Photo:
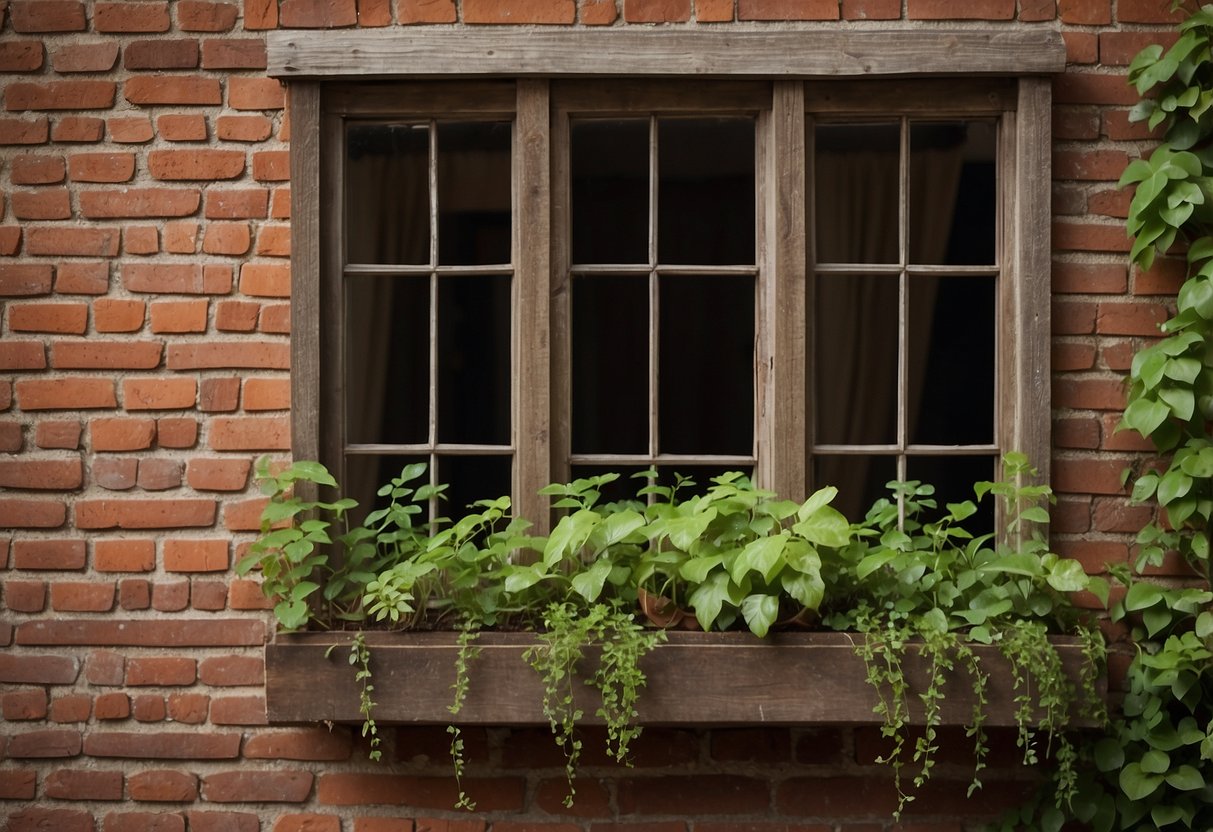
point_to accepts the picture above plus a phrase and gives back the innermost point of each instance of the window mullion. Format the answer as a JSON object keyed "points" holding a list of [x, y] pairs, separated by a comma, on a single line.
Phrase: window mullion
{"points": [[530, 335], [783, 225]]}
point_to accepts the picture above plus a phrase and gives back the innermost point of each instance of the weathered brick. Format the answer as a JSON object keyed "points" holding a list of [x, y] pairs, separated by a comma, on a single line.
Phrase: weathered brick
{"points": [[229, 53], [73, 708], [271, 280], [115, 473], [236, 315], [160, 474], [122, 434], [18, 131], [131, 129], [47, 743], [118, 555], [140, 239], [245, 128], [179, 316], [25, 596], [140, 202], [274, 241], [32, 514], [57, 434], [131, 17], [36, 169], [205, 16], [229, 354], [29, 16], [98, 56], [22, 355], [42, 474], [257, 787], [147, 89], [160, 670], [178, 432], [82, 596], [62, 318], [223, 821], [307, 744], [206, 165], [231, 238], [144, 514], [175, 633], [60, 95], [26, 669], [318, 14], [250, 433], [24, 279], [66, 393], [163, 786], [219, 395], [161, 53], [185, 555], [78, 129], [118, 315], [267, 394], [18, 784], [102, 355], [78, 242], [101, 167], [255, 93]]}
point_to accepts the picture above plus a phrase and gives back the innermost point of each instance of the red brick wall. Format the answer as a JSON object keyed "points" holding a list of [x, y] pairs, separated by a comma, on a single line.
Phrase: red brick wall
{"points": [[144, 236]]}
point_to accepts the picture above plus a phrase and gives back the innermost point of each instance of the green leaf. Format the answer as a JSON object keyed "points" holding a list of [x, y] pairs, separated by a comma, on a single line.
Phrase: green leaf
{"points": [[708, 599], [1138, 784], [588, 584], [615, 528], [697, 569], [1155, 762], [825, 527], [761, 556], [1142, 595], [1204, 625], [1067, 576], [312, 472], [1173, 485], [759, 612], [1145, 415], [1109, 754], [1181, 401], [1186, 778]]}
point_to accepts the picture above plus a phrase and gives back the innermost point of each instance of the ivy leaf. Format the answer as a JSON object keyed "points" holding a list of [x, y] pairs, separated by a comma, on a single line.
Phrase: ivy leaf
{"points": [[1142, 595], [1067, 576], [1145, 415], [708, 599], [1186, 778], [1138, 784], [588, 584], [1155, 762], [1204, 625], [825, 527], [1109, 754], [759, 612], [761, 556]]}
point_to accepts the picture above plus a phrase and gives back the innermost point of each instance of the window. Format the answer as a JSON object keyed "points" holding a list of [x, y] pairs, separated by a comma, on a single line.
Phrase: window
{"points": [[528, 279]]}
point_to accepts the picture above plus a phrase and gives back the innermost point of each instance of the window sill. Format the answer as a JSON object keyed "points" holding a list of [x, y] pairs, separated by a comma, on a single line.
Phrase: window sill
{"points": [[694, 679]]}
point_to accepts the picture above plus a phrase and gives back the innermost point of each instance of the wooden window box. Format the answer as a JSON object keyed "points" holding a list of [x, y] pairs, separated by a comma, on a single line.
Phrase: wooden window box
{"points": [[694, 679]]}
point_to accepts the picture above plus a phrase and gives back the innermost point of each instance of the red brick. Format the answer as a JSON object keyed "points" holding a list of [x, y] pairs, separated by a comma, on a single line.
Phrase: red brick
{"points": [[30, 16], [1069, 357], [160, 632], [318, 14], [1148, 11], [492, 794], [63, 318], [1093, 165], [374, 13], [255, 93], [271, 166], [22, 355], [131, 129], [82, 596], [267, 394], [134, 594], [115, 473], [1089, 393], [196, 164], [78, 129], [81, 242], [140, 239], [179, 316], [56, 434], [36, 170], [60, 95], [131, 17], [247, 595], [118, 315], [182, 127], [98, 355], [229, 53], [181, 237], [34, 130], [1088, 88], [105, 668], [26, 669], [75, 708], [1130, 318], [159, 393], [163, 745], [218, 474], [1073, 236], [271, 280], [967, 10], [11, 437], [250, 433], [161, 53], [1110, 203], [23, 280], [42, 474], [27, 705], [45, 204], [149, 707], [160, 671], [114, 555], [163, 278], [228, 671], [310, 822], [1163, 278], [25, 596], [231, 238], [280, 205], [85, 57], [32, 514], [140, 202], [1087, 476], [319, 744], [1037, 10], [260, 14], [18, 784], [48, 743], [149, 89], [210, 596], [177, 432], [219, 395], [102, 167], [433, 11], [1076, 122], [77, 784], [163, 786], [144, 514], [223, 822], [678, 11], [244, 203], [1091, 12], [275, 318], [10, 240], [205, 16], [171, 596], [257, 787], [20, 56], [250, 128], [122, 434], [229, 354], [66, 394], [274, 241], [182, 555], [236, 316], [113, 706]]}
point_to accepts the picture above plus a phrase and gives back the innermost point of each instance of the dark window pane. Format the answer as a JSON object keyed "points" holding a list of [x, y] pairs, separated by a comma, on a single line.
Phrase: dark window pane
{"points": [[387, 359], [387, 193], [705, 200], [472, 478], [706, 365], [695, 480], [953, 478], [951, 350], [856, 183], [610, 365], [609, 160], [855, 383], [860, 480], [953, 193], [474, 360], [473, 193]]}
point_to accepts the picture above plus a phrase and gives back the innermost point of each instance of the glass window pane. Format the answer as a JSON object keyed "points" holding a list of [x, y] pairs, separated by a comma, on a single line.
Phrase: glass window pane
{"points": [[387, 359], [705, 200], [953, 193], [472, 478], [609, 161], [953, 478], [706, 372], [610, 365], [855, 324], [474, 360], [856, 183], [473, 193], [951, 350], [860, 480], [387, 193]]}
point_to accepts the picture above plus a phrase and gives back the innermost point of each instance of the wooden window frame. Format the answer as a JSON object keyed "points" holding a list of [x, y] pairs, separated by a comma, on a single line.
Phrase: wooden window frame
{"points": [[823, 65]]}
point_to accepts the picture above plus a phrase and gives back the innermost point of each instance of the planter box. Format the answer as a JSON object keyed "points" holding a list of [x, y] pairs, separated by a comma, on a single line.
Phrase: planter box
{"points": [[694, 679]]}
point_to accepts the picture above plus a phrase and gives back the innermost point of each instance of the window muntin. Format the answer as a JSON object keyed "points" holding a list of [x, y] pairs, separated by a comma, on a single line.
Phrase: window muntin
{"points": [[768, 386]]}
